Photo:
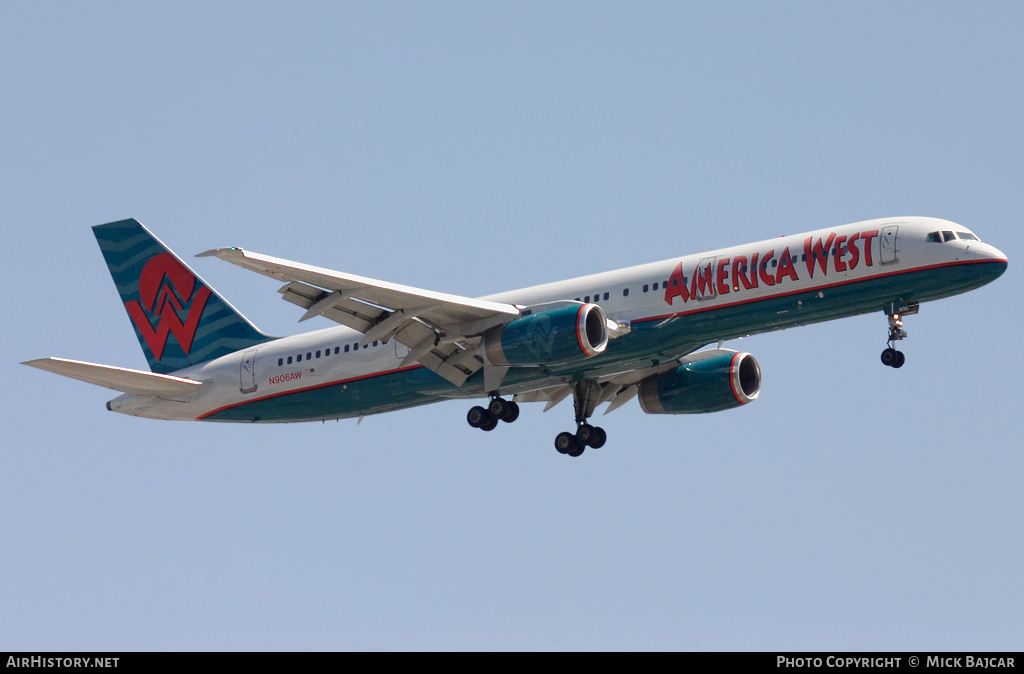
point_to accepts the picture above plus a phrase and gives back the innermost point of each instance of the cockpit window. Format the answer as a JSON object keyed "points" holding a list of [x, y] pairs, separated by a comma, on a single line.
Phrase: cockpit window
{"points": [[948, 236], [967, 236], [933, 237]]}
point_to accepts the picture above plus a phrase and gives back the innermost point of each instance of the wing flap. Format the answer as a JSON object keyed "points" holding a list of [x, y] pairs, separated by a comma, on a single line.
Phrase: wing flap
{"points": [[120, 378], [355, 315], [451, 361]]}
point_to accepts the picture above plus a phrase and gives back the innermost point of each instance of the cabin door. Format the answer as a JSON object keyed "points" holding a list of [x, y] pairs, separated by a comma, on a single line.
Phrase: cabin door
{"points": [[247, 372], [887, 244]]}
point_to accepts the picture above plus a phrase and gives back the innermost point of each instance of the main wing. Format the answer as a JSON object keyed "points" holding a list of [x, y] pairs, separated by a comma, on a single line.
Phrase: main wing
{"points": [[442, 331]]}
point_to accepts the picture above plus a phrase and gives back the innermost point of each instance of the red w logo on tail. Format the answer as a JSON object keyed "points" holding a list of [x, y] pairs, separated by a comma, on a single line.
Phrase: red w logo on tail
{"points": [[165, 301]]}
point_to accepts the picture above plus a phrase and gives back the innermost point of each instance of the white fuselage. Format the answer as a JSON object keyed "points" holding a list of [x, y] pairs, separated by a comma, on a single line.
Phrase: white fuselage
{"points": [[636, 295]]}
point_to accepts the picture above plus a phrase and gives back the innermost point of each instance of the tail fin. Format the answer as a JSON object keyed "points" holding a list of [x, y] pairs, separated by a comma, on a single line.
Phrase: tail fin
{"points": [[178, 318]]}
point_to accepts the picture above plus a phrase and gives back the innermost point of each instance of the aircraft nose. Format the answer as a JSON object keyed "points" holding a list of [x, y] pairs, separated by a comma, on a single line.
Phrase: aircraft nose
{"points": [[992, 253], [993, 262]]}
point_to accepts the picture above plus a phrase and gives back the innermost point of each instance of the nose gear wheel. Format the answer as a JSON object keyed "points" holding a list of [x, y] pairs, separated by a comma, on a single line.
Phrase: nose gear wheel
{"points": [[893, 358]]}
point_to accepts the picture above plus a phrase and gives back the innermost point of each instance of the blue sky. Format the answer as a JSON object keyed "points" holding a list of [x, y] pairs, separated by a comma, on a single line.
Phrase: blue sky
{"points": [[473, 148]]}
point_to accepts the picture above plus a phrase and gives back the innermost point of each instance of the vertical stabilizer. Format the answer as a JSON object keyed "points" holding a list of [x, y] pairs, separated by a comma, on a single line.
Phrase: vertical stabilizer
{"points": [[178, 318]]}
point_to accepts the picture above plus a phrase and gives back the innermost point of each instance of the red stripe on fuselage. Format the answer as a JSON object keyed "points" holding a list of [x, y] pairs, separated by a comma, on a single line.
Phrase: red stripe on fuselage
{"points": [[308, 388], [813, 288]]}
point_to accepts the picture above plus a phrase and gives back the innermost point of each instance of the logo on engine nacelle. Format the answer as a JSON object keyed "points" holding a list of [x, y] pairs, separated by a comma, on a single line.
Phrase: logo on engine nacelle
{"points": [[540, 336]]}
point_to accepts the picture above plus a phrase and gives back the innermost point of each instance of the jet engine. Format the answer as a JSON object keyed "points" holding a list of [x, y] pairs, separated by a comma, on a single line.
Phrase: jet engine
{"points": [[562, 334], [707, 381]]}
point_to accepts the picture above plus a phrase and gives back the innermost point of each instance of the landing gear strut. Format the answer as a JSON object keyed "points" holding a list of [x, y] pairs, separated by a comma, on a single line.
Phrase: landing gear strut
{"points": [[487, 418], [895, 313], [585, 397]]}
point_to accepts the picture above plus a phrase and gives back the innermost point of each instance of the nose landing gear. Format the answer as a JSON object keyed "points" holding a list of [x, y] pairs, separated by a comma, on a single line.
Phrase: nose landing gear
{"points": [[895, 313]]}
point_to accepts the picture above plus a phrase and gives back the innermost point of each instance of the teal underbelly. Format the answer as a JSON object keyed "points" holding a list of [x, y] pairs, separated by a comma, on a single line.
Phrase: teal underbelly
{"points": [[344, 399]]}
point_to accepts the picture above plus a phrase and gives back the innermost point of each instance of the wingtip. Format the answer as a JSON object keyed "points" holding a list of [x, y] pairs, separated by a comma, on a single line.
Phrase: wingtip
{"points": [[218, 252]]}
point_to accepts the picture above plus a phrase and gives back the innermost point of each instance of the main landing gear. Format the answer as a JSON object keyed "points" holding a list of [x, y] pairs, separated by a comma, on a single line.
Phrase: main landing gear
{"points": [[891, 356], [586, 395], [499, 409]]}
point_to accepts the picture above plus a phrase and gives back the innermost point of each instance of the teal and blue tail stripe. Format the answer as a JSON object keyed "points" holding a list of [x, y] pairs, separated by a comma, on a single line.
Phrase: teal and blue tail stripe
{"points": [[178, 319]]}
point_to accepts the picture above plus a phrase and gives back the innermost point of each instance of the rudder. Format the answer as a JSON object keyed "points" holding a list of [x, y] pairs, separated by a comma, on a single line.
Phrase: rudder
{"points": [[178, 319]]}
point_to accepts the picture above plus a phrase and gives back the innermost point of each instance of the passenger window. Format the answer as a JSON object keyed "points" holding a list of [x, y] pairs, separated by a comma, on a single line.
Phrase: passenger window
{"points": [[664, 284], [775, 263], [337, 350], [280, 362], [346, 348], [933, 237], [586, 298], [309, 356], [625, 292], [606, 295], [654, 287], [675, 282], [318, 353], [967, 236], [375, 342], [948, 236], [298, 358], [289, 360], [645, 287], [576, 299]]}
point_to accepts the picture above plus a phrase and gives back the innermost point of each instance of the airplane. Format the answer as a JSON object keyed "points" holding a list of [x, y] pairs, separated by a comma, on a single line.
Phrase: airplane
{"points": [[637, 332]]}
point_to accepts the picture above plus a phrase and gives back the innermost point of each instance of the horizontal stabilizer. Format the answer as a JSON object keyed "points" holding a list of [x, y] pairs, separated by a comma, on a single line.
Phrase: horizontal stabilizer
{"points": [[120, 378]]}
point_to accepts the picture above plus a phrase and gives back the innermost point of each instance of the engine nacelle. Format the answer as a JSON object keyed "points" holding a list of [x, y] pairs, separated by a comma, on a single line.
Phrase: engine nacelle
{"points": [[560, 335], [717, 381]]}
